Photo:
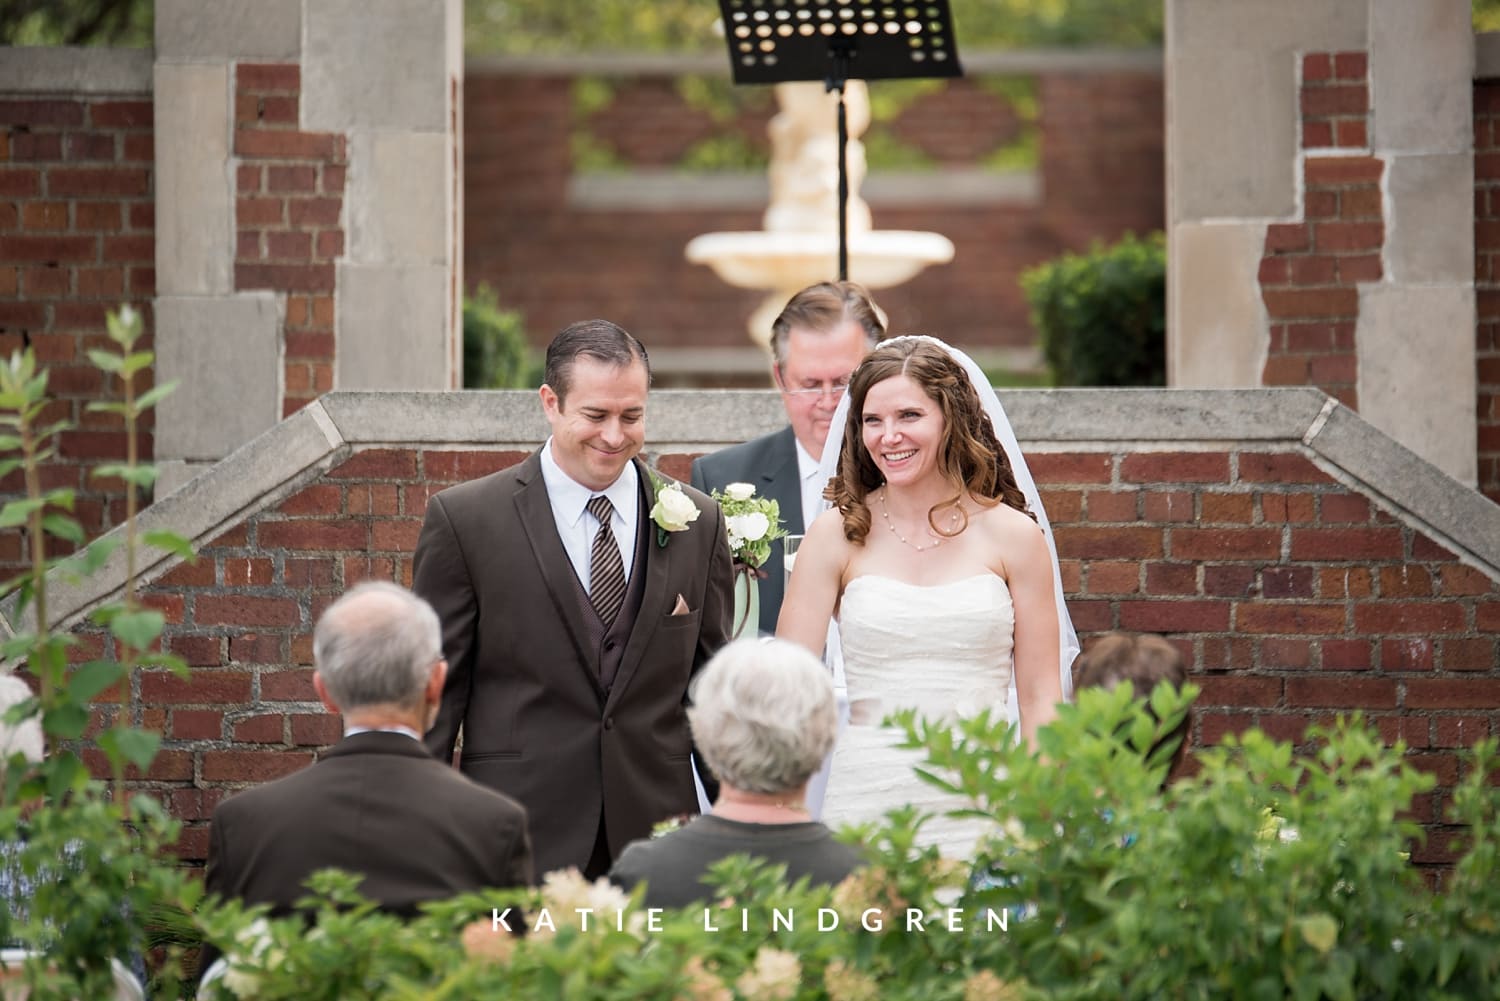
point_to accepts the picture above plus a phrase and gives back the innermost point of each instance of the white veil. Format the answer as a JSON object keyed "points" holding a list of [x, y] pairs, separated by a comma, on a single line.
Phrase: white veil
{"points": [[1067, 638]]}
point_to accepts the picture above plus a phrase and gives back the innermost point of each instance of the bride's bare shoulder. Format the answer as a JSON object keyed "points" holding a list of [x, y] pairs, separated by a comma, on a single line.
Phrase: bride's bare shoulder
{"points": [[1004, 522], [827, 529]]}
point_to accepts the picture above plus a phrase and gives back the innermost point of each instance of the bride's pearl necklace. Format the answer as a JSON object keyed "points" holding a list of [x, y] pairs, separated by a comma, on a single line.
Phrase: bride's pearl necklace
{"points": [[937, 540]]}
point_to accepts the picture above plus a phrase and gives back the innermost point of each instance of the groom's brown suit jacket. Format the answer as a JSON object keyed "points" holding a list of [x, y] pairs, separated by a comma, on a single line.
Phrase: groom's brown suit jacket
{"points": [[569, 718]]}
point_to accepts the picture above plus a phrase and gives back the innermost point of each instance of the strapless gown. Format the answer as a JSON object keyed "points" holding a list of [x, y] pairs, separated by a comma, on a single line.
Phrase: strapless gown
{"points": [[943, 650]]}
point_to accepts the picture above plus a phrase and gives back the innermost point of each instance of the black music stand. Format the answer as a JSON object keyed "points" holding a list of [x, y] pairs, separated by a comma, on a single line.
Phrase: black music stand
{"points": [[780, 41]]}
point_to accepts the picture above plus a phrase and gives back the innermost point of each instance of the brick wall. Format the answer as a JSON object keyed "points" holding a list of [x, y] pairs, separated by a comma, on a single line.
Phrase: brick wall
{"points": [[1294, 596], [77, 239], [288, 218], [1311, 270], [1101, 173], [1487, 279]]}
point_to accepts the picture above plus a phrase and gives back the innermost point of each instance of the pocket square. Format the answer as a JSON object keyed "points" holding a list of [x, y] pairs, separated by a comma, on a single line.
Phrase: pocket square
{"points": [[681, 608]]}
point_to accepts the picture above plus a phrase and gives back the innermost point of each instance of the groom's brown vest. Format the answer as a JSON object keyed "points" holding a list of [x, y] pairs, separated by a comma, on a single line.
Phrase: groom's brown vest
{"points": [[611, 645]]}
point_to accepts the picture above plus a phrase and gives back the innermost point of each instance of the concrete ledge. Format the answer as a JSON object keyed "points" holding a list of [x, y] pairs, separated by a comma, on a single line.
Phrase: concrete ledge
{"points": [[296, 451], [75, 70], [1487, 55]]}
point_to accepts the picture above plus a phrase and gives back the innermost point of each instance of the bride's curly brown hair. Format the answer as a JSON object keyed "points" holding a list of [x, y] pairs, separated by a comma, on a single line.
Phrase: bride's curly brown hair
{"points": [[970, 457]]}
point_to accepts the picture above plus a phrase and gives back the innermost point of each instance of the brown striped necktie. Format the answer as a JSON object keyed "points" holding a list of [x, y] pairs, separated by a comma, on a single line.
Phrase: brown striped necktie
{"points": [[606, 570]]}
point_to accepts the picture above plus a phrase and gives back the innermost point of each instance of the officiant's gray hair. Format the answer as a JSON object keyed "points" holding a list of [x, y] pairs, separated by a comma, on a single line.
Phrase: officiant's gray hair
{"points": [[763, 715], [376, 646]]}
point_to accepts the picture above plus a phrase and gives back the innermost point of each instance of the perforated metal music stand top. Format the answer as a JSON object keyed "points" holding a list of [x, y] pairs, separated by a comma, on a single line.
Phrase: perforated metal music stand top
{"points": [[772, 41]]}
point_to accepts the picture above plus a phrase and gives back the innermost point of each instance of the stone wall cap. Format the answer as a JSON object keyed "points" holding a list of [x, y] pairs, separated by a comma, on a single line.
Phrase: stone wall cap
{"points": [[75, 70]]}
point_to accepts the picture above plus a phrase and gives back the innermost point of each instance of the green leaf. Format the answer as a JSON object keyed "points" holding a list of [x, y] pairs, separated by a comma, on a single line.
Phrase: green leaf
{"points": [[107, 361], [169, 661], [135, 362], [102, 407], [130, 744], [137, 629], [171, 542], [153, 396], [1319, 930], [93, 678], [61, 497], [9, 441], [17, 511], [63, 527], [88, 561], [141, 476], [65, 773], [7, 465], [66, 722]]}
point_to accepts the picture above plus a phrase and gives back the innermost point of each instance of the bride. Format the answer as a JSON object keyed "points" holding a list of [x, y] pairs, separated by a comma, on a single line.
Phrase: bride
{"points": [[940, 571]]}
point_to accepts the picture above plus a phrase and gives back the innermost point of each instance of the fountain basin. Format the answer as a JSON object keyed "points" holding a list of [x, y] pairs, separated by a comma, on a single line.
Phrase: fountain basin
{"points": [[788, 260]]}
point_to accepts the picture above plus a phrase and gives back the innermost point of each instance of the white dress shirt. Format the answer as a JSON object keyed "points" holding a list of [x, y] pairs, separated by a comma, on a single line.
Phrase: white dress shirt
{"points": [[577, 528], [812, 490]]}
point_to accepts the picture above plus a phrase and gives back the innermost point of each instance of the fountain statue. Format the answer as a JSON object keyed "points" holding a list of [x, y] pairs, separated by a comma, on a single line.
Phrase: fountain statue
{"points": [[799, 244]]}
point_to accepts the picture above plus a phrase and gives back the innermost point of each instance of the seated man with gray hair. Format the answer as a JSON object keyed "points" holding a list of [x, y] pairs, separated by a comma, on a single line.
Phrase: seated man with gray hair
{"points": [[763, 717], [377, 804]]}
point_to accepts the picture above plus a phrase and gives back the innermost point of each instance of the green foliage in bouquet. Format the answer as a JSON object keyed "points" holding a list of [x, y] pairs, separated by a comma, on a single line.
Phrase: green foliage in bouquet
{"points": [[88, 863], [1102, 315], [754, 523]]}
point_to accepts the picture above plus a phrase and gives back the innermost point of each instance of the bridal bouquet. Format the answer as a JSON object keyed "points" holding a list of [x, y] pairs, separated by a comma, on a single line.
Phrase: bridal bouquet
{"points": [[754, 523]]}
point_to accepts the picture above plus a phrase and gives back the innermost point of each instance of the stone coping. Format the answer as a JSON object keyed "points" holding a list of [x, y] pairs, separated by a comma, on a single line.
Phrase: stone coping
{"points": [[285, 458], [74, 70]]}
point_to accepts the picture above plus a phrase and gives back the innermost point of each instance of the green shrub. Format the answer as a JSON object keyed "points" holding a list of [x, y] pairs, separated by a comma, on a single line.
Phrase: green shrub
{"points": [[1102, 315], [496, 352]]}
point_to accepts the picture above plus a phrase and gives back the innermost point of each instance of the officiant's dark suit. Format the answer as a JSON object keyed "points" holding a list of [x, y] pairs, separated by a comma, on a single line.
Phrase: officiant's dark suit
{"points": [[817, 340], [576, 713]]}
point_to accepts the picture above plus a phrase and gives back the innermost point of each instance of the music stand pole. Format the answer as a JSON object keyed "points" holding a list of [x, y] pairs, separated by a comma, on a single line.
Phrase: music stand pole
{"points": [[838, 75]]}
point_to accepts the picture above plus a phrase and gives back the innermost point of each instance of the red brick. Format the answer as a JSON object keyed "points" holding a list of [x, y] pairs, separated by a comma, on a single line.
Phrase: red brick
{"points": [[247, 245], [1344, 170], [130, 248], [314, 535], [268, 77], [1105, 543], [288, 686], [197, 724], [138, 148], [295, 245], [1408, 617], [305, 344], [212, 688], [1214, 727], [1046, 467], [300, 178], [1285, 370], [1175, 467], [1343, 655], [1461, 693], [93, 445], [1091, 616], [83, 146], [362, 568], [1297, 619], [1409, 730], [317, 730], [1238, 690], [1225, 543], [252, 766], [1346, 692], [20, 182], [1168, 505], [1317, 269], [1443, 767], [1275, 652], [1317, 66], [101, 282], [373, 498], [1342, 99], [197, 574], [1290, 303], [1228, 581], [314, 212], [1405, 580], [257, 648], [49, 283], [1317, 134], [1458, 579], [1274, 271], [1174, 616], [1346, 236], [40, 112], [1288, 582], [1351, 133], [244, 610], [286, 145], [1285, 236], [95, 182], [1279, 467], [49, 249], [192, 844], [397, 536], [121, 114], [1460, 731], [1468, 655], [1114, 578], [247, 178], [1344, 508], [259, 211], [1346, 544], [265, 729], [1320, 204], [330, 243], [285, 277], [1350, 65], [333, 179], [302, 653], [377, 464], [1423, 548], [1171, 578], [1106, 506]]}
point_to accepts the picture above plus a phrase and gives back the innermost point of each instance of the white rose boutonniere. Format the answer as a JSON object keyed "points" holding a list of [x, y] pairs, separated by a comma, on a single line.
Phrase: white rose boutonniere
{"points": [[673, 511]]}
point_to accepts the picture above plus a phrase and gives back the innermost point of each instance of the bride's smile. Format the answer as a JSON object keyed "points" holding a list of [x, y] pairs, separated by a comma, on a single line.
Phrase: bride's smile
{"points": [[902, 430]]}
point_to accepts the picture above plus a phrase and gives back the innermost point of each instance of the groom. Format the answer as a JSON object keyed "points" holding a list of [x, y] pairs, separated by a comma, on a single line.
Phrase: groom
{"points": [[572, 622]]}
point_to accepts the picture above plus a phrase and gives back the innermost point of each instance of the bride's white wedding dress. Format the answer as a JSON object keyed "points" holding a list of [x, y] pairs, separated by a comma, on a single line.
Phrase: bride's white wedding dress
{"points": [[943, 650]]}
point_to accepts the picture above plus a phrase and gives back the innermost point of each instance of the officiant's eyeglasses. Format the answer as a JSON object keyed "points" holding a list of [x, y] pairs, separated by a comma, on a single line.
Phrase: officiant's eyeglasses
{"points": [[834, 389]]}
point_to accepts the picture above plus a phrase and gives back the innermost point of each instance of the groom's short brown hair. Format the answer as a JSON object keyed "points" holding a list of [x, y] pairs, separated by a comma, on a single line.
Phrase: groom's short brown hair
{"points": [[599, 339]]}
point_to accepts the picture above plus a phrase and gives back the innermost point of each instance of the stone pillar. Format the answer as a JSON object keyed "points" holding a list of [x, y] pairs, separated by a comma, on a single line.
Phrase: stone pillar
{"points": [[1320, 197], [307, 210]]}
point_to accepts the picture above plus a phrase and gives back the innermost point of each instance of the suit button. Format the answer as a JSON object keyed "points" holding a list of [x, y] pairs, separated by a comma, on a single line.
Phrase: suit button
{"points": [[609, 723], [610, 645]]}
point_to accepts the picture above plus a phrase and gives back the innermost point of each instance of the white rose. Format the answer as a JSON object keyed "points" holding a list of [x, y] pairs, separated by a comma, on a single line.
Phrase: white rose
{"points": [[750, 527], [739, 491], [673, 511]]}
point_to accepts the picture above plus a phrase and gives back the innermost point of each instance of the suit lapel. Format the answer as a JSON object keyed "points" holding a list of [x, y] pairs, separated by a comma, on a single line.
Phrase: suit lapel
{"points": [[534, 509], [781, 480], [657, 592]]}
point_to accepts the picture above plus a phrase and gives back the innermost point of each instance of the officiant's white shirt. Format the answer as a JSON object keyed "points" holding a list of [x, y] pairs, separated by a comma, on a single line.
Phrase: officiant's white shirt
{"points": [[577, 528]]}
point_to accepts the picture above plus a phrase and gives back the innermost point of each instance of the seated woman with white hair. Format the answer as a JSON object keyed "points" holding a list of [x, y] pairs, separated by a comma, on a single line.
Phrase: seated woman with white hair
{"points": [[763, 718]]}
